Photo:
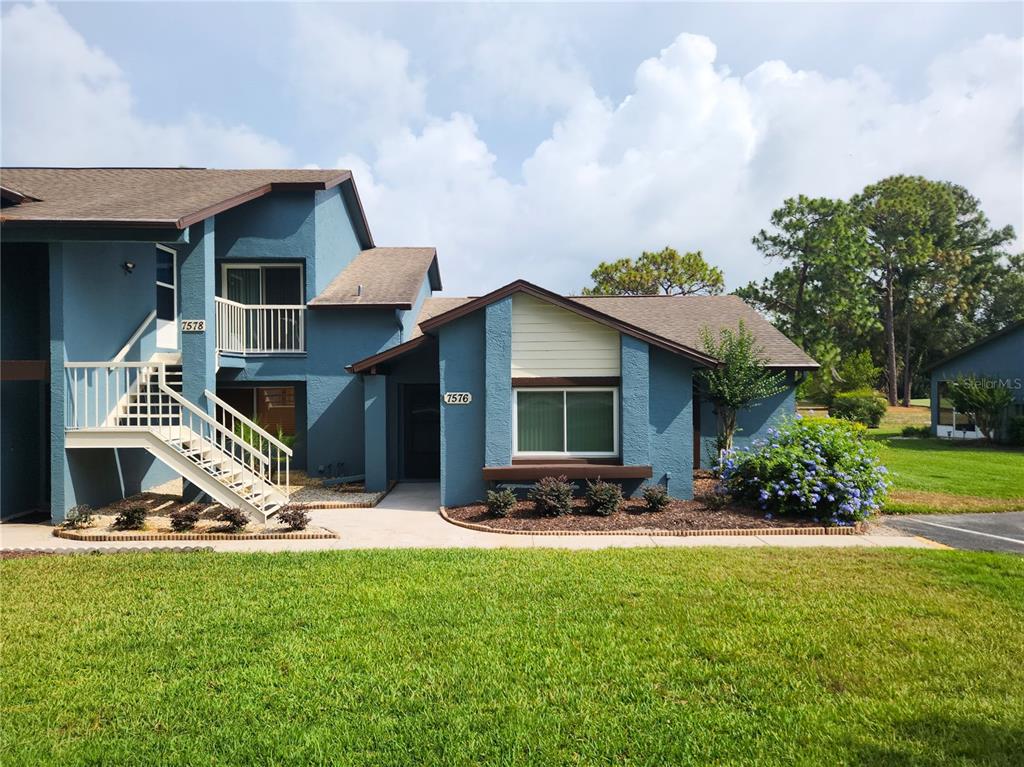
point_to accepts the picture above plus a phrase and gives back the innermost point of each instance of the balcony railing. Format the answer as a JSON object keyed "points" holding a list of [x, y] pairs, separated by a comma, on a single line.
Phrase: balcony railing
{"points": [[262, 328]]}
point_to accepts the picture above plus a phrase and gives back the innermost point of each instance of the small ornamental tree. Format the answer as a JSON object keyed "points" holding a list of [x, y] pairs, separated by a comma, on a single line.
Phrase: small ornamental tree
{"points": [[740, 380], [985, 399]]}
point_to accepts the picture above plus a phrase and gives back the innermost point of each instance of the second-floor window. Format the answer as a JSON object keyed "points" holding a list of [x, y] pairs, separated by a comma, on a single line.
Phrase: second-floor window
{"points": [[277, 284]]}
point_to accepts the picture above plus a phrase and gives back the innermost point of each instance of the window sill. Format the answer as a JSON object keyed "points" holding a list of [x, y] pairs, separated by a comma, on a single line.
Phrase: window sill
{"points": [[570, 468]]}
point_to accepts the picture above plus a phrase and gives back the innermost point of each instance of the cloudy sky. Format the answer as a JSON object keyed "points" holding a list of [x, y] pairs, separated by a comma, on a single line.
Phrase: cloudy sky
{"points": [[535, 140]]}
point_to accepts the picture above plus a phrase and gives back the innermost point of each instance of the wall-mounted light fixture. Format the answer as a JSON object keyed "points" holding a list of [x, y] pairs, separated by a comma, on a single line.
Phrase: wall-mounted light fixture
{"points": [[128, 266]]}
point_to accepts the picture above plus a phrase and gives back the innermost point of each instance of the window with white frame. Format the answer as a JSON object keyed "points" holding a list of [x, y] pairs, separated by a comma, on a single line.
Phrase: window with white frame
{"points": [[577, 422], [256, 284]]}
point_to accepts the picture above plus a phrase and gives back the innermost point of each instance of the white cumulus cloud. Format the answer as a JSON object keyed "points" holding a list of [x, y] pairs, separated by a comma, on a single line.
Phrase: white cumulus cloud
{"points": [[67, 103], [695, 157]]}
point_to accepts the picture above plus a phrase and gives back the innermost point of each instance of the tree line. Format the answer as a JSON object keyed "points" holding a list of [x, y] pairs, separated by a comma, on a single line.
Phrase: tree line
{"points": [[878, 286]]}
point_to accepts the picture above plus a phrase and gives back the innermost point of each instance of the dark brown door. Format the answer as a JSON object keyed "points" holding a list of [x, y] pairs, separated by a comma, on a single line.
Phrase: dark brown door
{"points": [[421, 426]]}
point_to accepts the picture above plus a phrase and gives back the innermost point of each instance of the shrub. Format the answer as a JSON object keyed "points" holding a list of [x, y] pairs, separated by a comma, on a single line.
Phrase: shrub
{"points": [[234, 520], [1015, 430], [603, 498], [78, 517], [656, 497], [986, 399], [718, 498], [130, 518], [863, 406], [917, 431], [500, 502], [815, 467], [293, 517], [552, 496], [184, 518]]}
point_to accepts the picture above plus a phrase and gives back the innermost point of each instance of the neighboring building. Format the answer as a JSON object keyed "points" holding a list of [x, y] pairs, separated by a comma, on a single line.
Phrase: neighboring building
{"points": [[999, 356], [230, 326]]}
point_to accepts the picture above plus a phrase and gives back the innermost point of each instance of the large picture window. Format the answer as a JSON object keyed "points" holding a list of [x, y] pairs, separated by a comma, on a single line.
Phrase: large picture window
{"points": [[570, 422]]}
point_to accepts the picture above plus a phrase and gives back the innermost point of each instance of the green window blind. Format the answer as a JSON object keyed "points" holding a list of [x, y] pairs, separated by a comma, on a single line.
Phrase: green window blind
{"points": [[590, 426], [539, 421]]}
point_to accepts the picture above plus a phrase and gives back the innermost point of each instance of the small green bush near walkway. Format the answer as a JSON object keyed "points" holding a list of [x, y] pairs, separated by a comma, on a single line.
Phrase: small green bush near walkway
{"points": [[695, 656]]}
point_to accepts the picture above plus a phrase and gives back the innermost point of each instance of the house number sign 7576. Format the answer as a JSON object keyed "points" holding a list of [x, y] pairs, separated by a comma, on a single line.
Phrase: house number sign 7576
{"points": [[193, 326], [457, 398]]}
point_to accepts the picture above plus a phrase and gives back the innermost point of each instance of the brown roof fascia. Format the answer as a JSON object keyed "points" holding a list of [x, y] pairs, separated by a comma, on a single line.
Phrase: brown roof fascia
{"points": [[522, 286], [364, 365], [93, 222]]}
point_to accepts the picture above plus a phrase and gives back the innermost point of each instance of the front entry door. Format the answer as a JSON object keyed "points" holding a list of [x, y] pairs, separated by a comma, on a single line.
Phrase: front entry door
{"points": [[421, 426]]}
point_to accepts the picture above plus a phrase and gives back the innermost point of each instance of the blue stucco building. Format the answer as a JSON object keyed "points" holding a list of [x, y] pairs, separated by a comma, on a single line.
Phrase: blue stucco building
{"points": [[232, 327], [998, 357]]}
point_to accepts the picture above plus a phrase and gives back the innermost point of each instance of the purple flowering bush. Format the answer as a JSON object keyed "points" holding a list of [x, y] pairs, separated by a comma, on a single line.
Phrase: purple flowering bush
{"points": [[813, 467]]}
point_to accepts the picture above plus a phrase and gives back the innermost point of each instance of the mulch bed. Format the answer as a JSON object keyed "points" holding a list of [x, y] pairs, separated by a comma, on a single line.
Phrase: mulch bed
{"points": [[158, 523], [632, 515]]}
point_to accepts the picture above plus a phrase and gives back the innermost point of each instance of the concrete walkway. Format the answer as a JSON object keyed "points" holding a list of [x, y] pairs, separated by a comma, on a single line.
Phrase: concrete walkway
{"points": [[408, 518]]}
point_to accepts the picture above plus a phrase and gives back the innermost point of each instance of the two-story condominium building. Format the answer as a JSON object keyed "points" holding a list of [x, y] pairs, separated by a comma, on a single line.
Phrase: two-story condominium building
{"points": [[230, 326]]}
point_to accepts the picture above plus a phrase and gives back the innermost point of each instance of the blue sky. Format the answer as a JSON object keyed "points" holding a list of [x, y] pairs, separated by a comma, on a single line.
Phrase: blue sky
{"points": [[535, 140]]}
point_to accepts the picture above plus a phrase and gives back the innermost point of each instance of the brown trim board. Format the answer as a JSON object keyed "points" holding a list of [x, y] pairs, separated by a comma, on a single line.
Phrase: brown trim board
{"points": [[24, 370], [367, 364], [526, 383], [570, 471]]}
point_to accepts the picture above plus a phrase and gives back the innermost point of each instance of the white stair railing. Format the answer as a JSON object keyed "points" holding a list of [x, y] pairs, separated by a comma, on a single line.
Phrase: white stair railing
{"points": [[133, 396], [257, 472], [260, 328], [238, 423], [94, 392]]}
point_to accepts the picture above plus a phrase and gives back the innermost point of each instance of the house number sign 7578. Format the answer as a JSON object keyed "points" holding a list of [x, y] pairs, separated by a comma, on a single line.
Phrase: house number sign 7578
{"points": [[193, 326], [457, 398]]}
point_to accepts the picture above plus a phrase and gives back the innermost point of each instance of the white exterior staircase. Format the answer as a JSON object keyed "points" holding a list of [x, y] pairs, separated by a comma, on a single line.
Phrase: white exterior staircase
{"points": [[140, 405]]}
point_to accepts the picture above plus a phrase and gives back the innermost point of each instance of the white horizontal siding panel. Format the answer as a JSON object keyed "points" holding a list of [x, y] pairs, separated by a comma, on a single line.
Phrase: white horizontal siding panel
{"points": [[548, 341]]}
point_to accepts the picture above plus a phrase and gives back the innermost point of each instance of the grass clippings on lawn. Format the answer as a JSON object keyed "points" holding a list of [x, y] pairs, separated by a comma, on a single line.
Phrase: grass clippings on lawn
{"points": [[632, 515], [460, 657], [922, 502]]}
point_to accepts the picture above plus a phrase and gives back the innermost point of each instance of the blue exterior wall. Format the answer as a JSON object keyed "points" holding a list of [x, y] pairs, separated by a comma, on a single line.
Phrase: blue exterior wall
{"points": [[461, 367], [671, 422], [634, 401], [196, 279], [1001, 358], [316, 229], [751, 424], [498, 383], [375, 418]]}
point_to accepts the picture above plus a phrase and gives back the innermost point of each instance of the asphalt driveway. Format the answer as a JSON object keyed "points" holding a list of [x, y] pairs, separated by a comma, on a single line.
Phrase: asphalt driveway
{"points": [[977, 532]]}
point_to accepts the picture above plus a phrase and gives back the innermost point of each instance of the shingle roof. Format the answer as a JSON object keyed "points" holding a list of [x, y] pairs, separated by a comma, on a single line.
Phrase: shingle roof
{"points": [[432, 307], [680, 319], [170, 197], [669, 321], [381, 277]]}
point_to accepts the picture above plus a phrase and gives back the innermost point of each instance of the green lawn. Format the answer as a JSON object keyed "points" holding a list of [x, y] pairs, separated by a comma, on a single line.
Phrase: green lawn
{"points": [[698, 656], [942, 476]]}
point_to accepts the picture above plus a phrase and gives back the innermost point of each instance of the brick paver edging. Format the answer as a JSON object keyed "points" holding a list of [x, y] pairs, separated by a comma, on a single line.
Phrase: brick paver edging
{"points": [[71, 535], [666, 533], [123, 550]]}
